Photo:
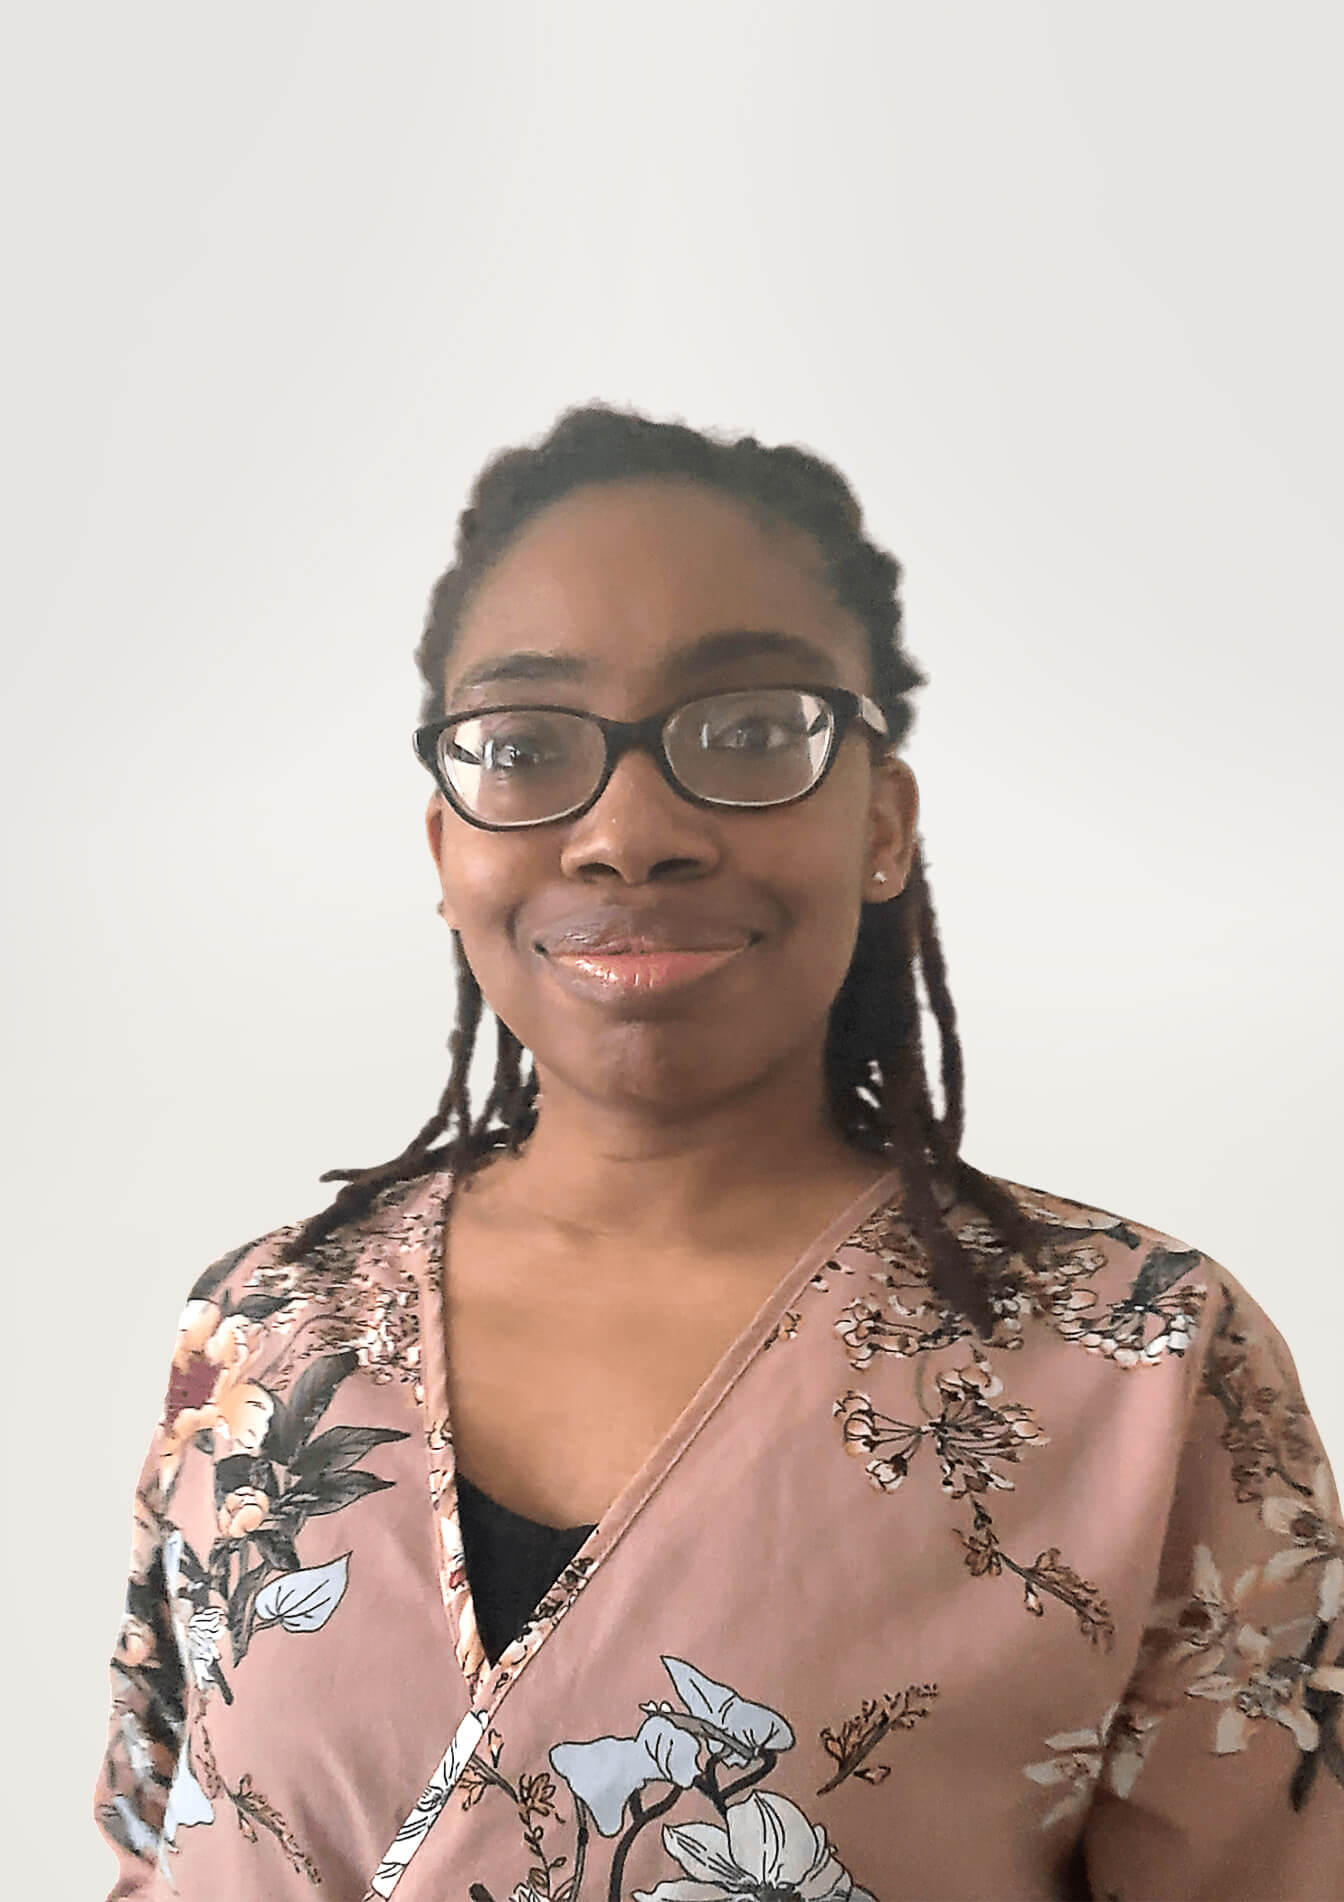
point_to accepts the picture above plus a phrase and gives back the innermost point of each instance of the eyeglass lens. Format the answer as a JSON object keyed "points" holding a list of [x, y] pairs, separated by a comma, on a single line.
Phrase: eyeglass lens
{"points": [[754, 747]]}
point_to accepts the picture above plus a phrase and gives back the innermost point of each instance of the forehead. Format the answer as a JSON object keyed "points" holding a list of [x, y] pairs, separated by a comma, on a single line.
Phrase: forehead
{"points": [[627, 580]]}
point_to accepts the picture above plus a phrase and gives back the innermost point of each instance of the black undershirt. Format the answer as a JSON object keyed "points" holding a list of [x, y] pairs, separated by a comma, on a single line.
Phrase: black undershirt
{"points": [[512, 1563]]}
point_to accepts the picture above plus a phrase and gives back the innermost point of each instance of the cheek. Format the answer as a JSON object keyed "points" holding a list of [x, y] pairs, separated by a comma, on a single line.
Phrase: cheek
{"points": [[814, 865], [492, 900], [487, 890]]}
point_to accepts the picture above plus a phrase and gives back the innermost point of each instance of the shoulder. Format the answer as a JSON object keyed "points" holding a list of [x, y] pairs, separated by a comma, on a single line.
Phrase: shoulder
{"points": [[354, 1293], [1121, 1290], [1132, 1293]]}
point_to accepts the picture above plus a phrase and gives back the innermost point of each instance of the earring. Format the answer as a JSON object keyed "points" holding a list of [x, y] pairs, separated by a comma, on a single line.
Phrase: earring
{"points": [[879, 878]]}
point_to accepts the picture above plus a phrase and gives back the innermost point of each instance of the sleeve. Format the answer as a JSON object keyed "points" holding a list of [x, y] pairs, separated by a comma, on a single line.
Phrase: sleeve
{"points": [[1223, 1773], [148, 1715], [145, 1779]]}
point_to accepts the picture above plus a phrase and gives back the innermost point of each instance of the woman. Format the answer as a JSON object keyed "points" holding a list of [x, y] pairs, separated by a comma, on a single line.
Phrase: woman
{"points": [[692, 1479]]}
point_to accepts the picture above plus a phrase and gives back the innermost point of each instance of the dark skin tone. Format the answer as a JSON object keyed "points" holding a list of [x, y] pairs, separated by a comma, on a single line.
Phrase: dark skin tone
{"points": [[684, 1155], [690, 1122]]}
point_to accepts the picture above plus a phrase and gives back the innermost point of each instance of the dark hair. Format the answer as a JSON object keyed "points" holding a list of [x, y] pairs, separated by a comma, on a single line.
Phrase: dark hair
{"points": [[874, 1060]]}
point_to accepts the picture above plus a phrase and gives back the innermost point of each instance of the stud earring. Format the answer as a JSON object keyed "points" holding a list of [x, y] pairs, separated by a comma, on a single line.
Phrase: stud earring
{"points": [[879, 878]]}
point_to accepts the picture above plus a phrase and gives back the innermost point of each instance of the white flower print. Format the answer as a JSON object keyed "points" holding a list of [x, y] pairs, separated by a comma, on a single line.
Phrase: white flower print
{"points": [[1204, 1623], [1271, 1687], [187, 1806], [1311, 1525], [1251, 1669], [1111, 1755], [203, 1635], [769, 1849]]}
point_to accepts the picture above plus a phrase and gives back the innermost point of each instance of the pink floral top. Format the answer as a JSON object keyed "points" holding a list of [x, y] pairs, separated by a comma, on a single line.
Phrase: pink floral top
{"points": [[891, 1613]]}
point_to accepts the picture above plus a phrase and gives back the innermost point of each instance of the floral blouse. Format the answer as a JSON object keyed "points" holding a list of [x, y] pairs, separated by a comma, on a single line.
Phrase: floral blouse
{"points": [[893, 1612]]}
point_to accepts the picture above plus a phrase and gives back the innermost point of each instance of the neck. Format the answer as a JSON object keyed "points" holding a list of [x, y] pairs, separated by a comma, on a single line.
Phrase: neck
{"points": [[593, 1174]]}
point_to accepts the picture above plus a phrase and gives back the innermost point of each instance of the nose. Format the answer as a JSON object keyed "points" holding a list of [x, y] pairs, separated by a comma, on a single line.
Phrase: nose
{"points": [[639, 825]]}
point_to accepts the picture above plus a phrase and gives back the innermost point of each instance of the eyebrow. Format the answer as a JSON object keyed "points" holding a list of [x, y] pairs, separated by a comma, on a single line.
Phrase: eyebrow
{"points": [[709, 651]]}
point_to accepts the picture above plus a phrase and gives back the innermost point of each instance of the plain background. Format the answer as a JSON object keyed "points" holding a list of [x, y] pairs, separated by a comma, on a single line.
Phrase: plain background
{"points": [[1056, 286]]}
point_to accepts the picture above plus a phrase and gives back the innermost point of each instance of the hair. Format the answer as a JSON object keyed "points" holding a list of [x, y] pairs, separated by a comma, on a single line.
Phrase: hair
{"points": [[876, 1081]]}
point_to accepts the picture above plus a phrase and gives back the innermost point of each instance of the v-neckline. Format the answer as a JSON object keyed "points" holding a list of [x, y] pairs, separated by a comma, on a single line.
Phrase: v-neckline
{"points": [[486, 1683]]}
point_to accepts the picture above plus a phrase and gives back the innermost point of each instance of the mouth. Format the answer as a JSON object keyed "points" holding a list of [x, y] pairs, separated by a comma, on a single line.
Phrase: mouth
{"points": [[637, 973]]}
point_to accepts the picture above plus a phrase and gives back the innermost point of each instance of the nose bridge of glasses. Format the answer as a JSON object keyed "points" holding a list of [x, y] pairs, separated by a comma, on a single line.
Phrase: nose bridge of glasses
{"points": [[647, 735]]}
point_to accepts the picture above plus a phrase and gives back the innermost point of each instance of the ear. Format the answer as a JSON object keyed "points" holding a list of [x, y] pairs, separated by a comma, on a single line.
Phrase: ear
{"points": [[435, 815], [893, 818]]}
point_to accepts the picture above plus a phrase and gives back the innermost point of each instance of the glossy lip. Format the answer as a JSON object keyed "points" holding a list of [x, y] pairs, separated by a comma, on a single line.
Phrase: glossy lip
{"points": [[662, 924], [608, 975]]}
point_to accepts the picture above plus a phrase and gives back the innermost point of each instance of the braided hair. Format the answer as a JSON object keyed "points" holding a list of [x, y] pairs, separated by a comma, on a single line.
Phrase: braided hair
{"points": [[876, 1082]]}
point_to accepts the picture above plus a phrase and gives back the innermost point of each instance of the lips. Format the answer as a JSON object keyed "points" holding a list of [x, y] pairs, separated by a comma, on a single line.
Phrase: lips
{"points": [[637, 975], [666, 931], [636, 947]]}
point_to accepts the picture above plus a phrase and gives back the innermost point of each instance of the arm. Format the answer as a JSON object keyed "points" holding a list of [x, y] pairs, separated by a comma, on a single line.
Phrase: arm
{"points": [[148, 1715], [1224, 1768], [145, 1756]]}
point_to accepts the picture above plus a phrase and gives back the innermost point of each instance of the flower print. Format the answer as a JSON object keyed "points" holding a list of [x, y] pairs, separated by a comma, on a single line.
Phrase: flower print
{"points": [[1111, 1755], [242, 1512], [1120, 1330], [187, 1802], [607, 1772], [973, 1439], [755, 1726], [1272, 1687], [860, 1734], [866, 1331], [1312, 1527], [552, 1608], [903, 1319], [1131, 1733], [1265, 1427], [1202, 1624], [179, 1603], [1253, 1670], [784, 1329], [304, 1600], [769, 1849], [211, 1357], [203, 1634], [244, 1413], [969, 1433], [1076, 1763], [379, 1324], [136, 1643], [536, 1794], [202, 1329], [865, 1430], [140, 1754], [1180, 1313]]}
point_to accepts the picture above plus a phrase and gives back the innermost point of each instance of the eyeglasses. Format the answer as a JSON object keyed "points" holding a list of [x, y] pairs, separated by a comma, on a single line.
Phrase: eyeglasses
{"points": [[504, 767]]}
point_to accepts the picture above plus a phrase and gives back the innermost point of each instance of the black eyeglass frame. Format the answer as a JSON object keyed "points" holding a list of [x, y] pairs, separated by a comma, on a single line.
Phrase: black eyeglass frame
{"points": [[623, 736]]}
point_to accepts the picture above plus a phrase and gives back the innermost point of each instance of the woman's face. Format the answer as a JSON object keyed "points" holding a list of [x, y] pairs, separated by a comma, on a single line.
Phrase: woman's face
{"points": [[623, 580]]}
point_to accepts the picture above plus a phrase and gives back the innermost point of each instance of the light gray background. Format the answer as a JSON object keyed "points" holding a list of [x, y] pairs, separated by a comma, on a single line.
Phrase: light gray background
{"points": [[1058, 288]]}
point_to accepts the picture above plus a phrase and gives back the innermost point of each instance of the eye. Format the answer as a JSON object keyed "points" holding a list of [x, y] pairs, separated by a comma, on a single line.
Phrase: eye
{"points": [[758, 734], [507, 751], [504, 756]]}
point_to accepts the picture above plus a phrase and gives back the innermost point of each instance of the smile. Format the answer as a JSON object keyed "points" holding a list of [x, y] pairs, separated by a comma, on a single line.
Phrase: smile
{"points": [[626, 973]]}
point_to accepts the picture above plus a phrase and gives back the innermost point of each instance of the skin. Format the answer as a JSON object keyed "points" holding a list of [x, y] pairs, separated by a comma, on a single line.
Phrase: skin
{"points": [[696, 1127]]}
